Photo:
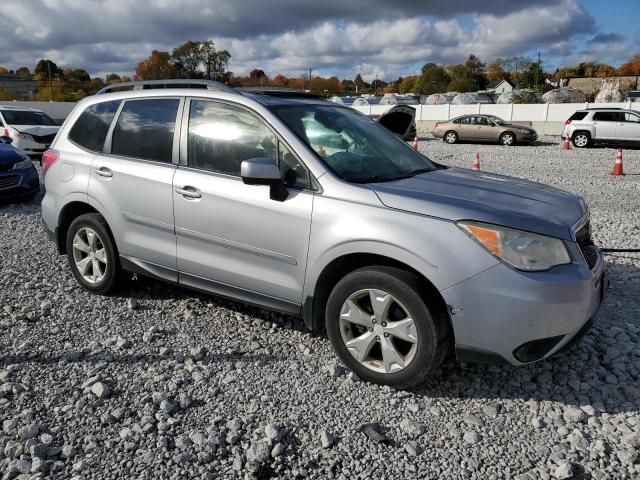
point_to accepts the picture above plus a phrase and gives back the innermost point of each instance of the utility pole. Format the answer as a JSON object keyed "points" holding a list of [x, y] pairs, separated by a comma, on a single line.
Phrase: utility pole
{"points": [[50, 85], [309, 79], [538, 71]]}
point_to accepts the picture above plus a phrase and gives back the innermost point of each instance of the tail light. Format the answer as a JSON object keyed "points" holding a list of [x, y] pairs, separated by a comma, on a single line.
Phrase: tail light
{"points": [[48, 159], [6, 133], [437, 125], [568, 122]]}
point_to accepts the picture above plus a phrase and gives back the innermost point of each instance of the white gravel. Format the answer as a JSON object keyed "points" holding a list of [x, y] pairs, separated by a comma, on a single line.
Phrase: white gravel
{"points": [[161, 382]]}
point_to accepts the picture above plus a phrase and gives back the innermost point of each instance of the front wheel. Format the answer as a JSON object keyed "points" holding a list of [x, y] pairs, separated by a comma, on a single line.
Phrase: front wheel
{"points": [[92, 254], [382, 329], [507, 139]]}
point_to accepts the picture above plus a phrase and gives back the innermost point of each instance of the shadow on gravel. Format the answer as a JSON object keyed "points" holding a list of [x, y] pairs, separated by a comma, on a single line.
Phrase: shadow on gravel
{"points": [[124, 359]]}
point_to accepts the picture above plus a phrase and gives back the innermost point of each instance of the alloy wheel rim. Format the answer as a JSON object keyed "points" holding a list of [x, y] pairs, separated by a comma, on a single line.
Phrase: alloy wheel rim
{"points": [[507, 139], [451, 138], [89, 255], [580, 140], [378, 331]]}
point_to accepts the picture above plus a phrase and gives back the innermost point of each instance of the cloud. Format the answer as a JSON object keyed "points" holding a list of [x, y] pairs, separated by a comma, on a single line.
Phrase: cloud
{"points": [[373, 37]]}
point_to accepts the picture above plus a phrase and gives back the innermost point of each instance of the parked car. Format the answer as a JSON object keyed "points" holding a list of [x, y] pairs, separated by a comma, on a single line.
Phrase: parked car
{"points": [[402, 259], [483, 128], [32, 130], [19, 179], [615, 126]]}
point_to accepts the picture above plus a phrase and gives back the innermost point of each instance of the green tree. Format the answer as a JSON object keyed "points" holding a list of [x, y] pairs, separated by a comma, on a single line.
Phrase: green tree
{"points": [[188, 59], [44, 66], [533, 76], [434, 79], [112, 78], [24, 73], [476, 72], [359, 83]]}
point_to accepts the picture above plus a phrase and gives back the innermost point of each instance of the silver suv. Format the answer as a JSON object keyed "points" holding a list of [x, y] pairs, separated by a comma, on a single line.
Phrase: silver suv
{"points": [[311, 208], [603, 125]]}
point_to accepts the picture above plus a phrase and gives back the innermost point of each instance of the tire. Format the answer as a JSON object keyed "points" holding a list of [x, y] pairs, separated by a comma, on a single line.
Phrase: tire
{"points": [[507, 139], [350, 316], [102, 271], [581, 139], [450, 137]]}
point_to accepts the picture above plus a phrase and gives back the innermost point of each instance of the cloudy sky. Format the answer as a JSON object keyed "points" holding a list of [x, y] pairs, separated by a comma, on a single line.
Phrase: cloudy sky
{"points": [[334, 37]]}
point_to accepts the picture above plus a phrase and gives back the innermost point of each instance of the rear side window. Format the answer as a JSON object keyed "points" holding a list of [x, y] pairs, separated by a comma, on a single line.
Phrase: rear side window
{"points": [[578, 116], [90, 130], [608, 116], [145, 129]]}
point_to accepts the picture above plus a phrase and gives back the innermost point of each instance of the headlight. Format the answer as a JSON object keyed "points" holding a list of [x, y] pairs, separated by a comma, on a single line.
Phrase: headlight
{"points": [[520, 249], [23, 164], [522, 130], [25, 136]]}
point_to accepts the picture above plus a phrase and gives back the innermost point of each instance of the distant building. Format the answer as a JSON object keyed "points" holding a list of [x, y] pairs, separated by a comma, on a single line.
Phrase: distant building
{"points": [[498, 87], [17, 86]]}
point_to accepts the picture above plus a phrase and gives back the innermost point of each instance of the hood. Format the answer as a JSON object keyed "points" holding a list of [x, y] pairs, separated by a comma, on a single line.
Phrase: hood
{"points": [[39, 130], [398, 119], [523, 127], [461, 194], [9, 155]]}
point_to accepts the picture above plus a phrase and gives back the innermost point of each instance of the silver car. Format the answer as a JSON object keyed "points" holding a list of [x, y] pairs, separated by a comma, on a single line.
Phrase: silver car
{"points": [[311, 208]]}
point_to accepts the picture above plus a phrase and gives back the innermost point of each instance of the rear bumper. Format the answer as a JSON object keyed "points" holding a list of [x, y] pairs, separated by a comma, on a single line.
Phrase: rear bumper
{"points": [[505, 316]]}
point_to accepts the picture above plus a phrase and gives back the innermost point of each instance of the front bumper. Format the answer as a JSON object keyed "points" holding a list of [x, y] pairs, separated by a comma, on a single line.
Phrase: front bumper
{"points": [[18, 184], [527, 137], [506, 316]]}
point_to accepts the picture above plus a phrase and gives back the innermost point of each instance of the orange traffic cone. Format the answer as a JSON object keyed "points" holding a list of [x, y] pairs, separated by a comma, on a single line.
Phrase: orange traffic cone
{"points": [[617, 167], [476, 162], [415, 143], [566, 145]]}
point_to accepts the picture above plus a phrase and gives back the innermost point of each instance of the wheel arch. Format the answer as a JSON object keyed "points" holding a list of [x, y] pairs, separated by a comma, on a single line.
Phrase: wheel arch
{"points": [[315, 301], [68, 214]]}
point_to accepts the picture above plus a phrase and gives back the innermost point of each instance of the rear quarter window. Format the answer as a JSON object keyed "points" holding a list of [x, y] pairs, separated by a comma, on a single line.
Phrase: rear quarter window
{"points": [[90, 130], [578, 116]]}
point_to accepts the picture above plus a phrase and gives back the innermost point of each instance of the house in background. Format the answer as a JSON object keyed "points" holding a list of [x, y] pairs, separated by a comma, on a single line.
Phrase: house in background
{"points": [[498, 87]]}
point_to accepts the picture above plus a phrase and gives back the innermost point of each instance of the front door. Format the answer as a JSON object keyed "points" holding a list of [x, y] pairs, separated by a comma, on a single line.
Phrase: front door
{"points": [[605, 125], [629, 129], [232, 239]]}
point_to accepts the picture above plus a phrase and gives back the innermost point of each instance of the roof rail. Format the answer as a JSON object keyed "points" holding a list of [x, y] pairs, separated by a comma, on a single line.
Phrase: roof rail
{"points": [[605, 108], [158, 84], [279, 92]]}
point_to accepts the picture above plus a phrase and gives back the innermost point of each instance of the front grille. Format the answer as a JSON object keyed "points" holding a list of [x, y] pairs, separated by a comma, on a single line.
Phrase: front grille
{"points": [[6, 166], [9, 181], [589, 251], [44, 138]]}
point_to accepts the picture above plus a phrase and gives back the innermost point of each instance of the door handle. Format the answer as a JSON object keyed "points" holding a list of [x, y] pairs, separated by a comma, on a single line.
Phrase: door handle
{"points": [[189, 192], [104, 172]]}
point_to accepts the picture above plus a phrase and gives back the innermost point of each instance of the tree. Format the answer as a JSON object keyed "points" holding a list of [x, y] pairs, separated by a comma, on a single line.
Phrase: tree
{"points": [[360, 84], [75, 75], [533, 76], [24, 73], [495, 71], [6, 95], [3, 69], [257, 74], [460, 84], [216, 61], [189, 59], [157, 66], [280, 81], [45, 66], [112, 78], [605, 70], [632, 67], [476, 72], [434, 79], [407, 84]]}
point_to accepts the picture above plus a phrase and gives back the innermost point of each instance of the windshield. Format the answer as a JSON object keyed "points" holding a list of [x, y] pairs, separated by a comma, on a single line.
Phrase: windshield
{"points": [[26, 117], [353, 146], [497, 120]]}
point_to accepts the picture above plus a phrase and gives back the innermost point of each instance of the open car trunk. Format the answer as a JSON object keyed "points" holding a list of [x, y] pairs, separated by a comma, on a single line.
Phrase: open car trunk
{"points": [[400, 120]]}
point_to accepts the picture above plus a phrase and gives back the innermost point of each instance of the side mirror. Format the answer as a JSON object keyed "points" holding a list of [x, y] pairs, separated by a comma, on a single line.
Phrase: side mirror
{"points": [[5, 139], [264, 171]]}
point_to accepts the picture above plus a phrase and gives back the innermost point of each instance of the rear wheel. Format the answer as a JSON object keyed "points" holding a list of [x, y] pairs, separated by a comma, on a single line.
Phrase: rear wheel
{"points": [[507, 139], [451, 137], [92, 254], [382, 329], [581, 139]]}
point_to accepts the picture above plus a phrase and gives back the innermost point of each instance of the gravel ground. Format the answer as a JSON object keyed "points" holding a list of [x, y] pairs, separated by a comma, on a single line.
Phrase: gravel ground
{"points": [[161, 382]]}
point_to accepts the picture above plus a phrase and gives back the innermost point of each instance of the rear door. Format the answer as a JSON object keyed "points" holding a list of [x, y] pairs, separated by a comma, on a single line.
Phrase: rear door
{"points": [[131, 181], [466, 128], [628, 129], [605, 125]]}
